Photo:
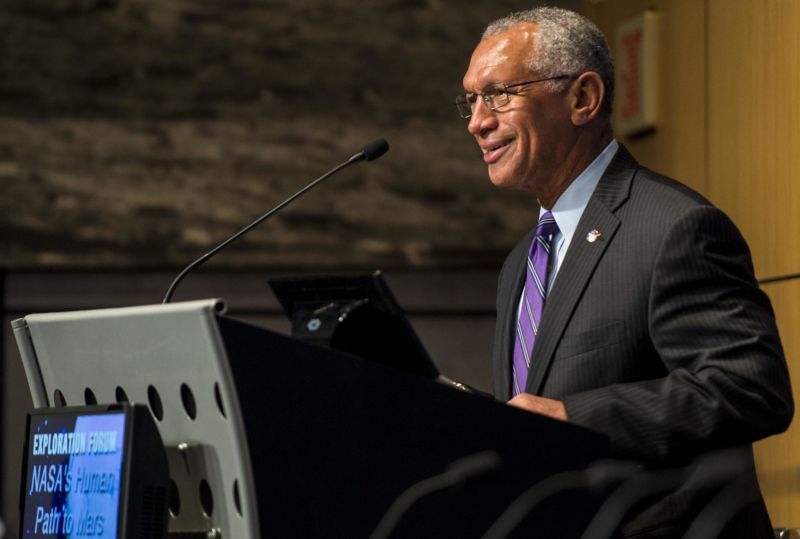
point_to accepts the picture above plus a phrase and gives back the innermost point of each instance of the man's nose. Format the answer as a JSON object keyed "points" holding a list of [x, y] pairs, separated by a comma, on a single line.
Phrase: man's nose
{"points": [[483, 118]]}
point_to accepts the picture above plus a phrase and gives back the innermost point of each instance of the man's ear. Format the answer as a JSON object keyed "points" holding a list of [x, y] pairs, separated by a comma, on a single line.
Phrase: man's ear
{"points": [[586, 97]]}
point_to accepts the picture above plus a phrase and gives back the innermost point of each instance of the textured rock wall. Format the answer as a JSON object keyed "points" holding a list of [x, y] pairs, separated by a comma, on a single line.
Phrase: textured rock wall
{"points": [[138, 133]]}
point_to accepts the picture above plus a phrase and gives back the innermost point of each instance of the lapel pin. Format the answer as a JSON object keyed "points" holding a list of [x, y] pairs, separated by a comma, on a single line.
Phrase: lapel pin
{"points": [[593, 236]]}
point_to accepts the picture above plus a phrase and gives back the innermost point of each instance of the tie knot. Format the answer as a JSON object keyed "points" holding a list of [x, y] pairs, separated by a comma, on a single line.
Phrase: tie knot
{"points": [[547, 225]]}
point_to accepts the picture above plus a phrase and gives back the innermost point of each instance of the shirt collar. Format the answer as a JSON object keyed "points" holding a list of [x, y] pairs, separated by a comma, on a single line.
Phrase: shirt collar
{"points": [[569, 207]]}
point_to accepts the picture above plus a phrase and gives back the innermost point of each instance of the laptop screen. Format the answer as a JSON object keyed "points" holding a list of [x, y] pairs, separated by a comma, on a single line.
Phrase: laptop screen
{"points": [[357, 314]]}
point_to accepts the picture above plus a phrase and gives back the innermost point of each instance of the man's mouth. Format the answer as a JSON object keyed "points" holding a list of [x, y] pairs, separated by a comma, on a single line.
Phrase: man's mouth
{"points": [[492, 153]]}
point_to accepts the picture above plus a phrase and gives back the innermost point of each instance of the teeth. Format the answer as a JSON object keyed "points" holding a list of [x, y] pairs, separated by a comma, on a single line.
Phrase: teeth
{"points": [[493, 148]]}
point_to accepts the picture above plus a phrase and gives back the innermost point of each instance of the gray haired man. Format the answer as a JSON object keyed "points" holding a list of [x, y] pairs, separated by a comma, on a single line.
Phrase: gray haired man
{"points": [[632, 307]]}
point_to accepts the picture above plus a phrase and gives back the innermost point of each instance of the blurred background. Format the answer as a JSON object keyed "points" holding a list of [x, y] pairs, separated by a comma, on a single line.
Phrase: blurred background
{"points": [[136, 134]]}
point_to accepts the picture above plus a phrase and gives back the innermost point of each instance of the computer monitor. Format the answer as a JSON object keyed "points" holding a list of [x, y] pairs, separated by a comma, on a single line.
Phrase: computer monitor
{"points": [[93, 471]]}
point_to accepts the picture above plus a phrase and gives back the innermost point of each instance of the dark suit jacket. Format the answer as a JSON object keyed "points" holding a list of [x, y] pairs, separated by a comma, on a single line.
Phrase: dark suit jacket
{"points": [[656, 334]]}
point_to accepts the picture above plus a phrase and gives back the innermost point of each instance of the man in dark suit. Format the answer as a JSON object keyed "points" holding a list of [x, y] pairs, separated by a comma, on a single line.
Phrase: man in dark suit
{"points": [[632, 309]]}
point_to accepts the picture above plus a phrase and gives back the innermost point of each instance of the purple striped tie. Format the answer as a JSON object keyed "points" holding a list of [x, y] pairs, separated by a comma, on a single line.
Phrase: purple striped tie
{"points": [[532, 303]]}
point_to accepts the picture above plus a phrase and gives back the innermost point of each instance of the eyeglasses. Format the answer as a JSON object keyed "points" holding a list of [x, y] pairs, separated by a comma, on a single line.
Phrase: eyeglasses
{"points": [[495, 96]]}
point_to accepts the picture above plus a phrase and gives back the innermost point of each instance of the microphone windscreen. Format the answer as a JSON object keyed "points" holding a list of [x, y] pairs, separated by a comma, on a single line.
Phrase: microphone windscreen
{"points": [[477, 464], [375, 149]]}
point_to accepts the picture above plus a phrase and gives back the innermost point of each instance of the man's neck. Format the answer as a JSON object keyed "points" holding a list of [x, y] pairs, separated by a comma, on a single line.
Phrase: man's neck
{"points": [[580, 155]]}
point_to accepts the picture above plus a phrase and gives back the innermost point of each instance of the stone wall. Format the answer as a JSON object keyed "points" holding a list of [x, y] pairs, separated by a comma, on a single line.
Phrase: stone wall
{"points": [[137, 133]]}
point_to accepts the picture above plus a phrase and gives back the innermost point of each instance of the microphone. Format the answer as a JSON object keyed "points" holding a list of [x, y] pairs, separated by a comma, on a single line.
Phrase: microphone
{"points": [[711, 469], [596, 477], [370, 152], [373, 150], [734, 471], [458, 472], [637, 488]]}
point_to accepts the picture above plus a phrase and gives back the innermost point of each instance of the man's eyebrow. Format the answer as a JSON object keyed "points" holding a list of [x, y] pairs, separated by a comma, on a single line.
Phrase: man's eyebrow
{"points": [[487, 86]]}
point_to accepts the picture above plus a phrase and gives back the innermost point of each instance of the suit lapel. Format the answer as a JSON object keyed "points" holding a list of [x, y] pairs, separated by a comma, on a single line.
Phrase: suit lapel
{"points": [[580, 262]]}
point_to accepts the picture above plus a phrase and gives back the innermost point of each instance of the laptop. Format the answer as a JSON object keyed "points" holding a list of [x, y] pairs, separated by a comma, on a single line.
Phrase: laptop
{"points": [[359, 315]]}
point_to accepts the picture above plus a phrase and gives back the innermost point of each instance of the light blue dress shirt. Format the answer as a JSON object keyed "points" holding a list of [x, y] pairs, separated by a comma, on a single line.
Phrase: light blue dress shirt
{"points": [[569, 207]]}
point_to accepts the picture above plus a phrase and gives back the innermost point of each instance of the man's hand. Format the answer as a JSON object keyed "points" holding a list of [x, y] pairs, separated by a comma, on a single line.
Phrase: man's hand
{"points": [[540, 405]]}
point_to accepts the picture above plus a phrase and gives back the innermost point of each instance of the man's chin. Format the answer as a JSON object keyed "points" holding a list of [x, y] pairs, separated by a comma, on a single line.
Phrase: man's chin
{"points": [[501, 179]]}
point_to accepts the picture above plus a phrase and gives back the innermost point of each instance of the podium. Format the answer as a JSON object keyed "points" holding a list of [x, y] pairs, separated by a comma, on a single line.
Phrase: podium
{"points": [[268, 436]]}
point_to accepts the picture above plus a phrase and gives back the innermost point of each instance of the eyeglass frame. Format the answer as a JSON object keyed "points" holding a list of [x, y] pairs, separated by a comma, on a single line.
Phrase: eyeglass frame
{"points": [[502, 89]]}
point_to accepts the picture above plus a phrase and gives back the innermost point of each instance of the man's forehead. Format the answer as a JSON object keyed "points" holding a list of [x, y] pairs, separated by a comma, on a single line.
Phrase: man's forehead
{"points": [[501, 55]]}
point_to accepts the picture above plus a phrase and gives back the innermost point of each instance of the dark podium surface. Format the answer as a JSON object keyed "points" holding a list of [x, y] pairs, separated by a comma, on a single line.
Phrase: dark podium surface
{"points": [[334, 440]]}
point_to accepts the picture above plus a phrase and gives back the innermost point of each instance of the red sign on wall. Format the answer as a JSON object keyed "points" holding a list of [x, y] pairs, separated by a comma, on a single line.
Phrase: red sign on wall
{"points": [[637, 68]]}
